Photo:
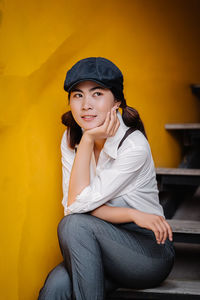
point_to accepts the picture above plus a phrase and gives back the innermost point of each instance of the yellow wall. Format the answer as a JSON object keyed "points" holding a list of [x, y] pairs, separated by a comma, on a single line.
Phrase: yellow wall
{"points": [[155, 44]]}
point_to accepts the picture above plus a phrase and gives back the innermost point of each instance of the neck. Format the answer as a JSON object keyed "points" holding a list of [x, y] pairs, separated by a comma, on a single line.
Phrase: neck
{"points": [[98, 144]]}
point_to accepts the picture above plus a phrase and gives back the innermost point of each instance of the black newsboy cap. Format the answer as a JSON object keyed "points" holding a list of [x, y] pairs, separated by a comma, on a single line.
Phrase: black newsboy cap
{"points": [[98, 69]]}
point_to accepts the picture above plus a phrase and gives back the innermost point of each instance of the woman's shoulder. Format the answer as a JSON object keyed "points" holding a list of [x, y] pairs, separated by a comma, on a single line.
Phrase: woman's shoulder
{"points": [[137, 150], [137, 140]]}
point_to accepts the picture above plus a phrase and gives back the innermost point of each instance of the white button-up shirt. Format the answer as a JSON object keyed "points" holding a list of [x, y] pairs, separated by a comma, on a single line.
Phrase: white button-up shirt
{"points": [[123, 177]]}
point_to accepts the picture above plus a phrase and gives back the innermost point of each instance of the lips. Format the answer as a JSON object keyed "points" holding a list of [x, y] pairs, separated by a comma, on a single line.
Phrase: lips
{"points": [[88, 117]]}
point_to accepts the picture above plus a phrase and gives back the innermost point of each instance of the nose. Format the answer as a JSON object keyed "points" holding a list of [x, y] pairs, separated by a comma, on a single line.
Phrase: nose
{"points": [[86, 103]]}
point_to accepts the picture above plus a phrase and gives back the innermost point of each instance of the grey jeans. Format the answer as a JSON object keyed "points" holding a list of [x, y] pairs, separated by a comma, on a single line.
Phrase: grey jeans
{"points": [[100, 256]]}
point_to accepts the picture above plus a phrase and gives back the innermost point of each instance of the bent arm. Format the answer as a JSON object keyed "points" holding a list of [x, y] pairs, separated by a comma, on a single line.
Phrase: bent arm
{"points": [[113, 214], [80, 173], [153, 222]]}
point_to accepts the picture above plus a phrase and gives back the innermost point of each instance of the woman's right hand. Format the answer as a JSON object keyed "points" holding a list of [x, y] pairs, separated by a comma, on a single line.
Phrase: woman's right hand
{"points": [[107, 129], [153, 222]]}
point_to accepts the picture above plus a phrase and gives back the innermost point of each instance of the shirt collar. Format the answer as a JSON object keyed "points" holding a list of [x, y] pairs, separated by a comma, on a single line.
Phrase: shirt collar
{"points": [[112, 143]]}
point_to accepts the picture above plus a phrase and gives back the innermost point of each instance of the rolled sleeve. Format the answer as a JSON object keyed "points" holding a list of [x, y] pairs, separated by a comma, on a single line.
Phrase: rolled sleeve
{"points": [[110, 182]]}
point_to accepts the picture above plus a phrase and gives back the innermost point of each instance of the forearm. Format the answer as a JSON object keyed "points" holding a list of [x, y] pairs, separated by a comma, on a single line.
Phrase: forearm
{"points": [[80, 173], [153, 222], [114, 214]]}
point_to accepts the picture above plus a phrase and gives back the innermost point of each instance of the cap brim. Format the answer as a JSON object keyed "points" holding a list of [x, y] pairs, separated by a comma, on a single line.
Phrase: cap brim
{"points": [[86, 79]]}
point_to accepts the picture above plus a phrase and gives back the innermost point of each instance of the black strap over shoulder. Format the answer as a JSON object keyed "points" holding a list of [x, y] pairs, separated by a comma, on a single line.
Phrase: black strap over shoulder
{"points": [[129, 131]]}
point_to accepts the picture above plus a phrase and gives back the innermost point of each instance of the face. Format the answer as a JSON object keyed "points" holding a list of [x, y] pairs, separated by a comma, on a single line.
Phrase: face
{"points": [[90, 103]]}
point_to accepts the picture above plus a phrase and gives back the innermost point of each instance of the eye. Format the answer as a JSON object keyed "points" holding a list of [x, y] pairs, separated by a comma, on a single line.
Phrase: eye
{"points": [[77, 95], [97, 93]]}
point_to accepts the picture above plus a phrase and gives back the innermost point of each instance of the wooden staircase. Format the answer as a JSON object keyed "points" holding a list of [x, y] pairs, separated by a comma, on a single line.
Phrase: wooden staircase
{"points": [[170, 289], [185, 231], [177, 176], [177, 187]]}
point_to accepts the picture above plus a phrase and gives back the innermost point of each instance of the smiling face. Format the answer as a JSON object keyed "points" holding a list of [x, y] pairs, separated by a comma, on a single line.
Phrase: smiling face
{"points": [[90, 103]]}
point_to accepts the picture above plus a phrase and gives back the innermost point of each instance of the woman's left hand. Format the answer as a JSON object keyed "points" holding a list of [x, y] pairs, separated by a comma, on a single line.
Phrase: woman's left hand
{"points": [[108, 129], [157, 224]]}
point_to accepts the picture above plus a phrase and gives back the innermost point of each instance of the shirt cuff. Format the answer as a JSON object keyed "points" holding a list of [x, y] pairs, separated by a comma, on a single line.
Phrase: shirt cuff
{"points": [[86, 201]]}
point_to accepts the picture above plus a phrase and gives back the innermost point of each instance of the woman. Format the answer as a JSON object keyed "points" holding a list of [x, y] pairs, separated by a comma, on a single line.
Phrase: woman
{"points": [[114, 233]]}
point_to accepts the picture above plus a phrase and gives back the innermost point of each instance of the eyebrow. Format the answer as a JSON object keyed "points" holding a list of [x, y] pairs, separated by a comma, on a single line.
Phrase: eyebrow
{"points": [[92, 89]]}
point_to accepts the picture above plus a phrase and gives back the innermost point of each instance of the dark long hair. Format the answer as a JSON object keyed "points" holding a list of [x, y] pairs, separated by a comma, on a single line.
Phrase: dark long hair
{"points": [[130, 117]]}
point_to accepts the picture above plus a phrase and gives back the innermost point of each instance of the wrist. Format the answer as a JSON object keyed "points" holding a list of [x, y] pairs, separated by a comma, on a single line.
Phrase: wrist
{"points": [[132, 214], [88, 138]]}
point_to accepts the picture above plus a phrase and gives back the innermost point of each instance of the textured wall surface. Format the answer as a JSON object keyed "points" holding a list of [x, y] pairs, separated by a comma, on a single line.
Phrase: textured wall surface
{"points": [[154, 43]]}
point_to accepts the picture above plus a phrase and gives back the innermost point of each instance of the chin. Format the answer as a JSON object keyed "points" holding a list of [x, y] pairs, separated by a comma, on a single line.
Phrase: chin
{"points": [[91, 125]]}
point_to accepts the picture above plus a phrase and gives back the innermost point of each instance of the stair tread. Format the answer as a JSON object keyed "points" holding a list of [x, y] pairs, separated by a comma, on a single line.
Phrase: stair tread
{"points": [[182, 126], [185, 226], [178, 171], [176, 287]]}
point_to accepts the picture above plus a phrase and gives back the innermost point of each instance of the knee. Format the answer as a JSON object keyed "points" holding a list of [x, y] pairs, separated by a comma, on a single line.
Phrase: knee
{"points": [[73, 225], [57, 285], [67, 224]]}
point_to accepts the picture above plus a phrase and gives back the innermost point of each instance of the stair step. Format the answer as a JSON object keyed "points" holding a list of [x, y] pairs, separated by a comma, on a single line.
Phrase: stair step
{"points": [[178, 171], [169, 289], [189, 133], [183, 126], [185, 226], [177, 176], [185, 231]]}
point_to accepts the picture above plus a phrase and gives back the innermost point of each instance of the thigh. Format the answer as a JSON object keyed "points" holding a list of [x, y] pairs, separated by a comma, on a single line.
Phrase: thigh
{"points": [[133, 258], [130, 254]]}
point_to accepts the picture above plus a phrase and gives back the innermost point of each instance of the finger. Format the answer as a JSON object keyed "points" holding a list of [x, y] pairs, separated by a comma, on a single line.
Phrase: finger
{"points": [[115, 124], [110, 126], [106, 122], [169, 230], [156, 233], [165, 232], [161, 233], [115, 117]]}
